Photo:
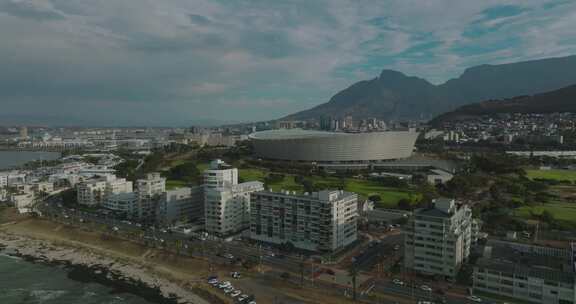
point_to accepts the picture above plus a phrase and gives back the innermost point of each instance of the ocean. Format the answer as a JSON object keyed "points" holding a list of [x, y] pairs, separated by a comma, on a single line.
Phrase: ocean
{"points": [[25, 282], [9, 159]]}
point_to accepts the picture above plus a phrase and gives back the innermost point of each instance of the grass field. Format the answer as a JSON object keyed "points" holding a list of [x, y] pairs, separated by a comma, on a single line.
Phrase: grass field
{"points": [[365, 188], [561, 211], [173, 184], [553, 174]]}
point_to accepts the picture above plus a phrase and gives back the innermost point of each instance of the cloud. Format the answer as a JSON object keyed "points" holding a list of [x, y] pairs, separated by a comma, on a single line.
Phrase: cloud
{"points": [[174, 61]]}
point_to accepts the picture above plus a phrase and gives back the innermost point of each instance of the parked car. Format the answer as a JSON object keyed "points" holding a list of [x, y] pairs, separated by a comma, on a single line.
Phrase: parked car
{"points": [[426, 288], [235, 274], [474, 299], [398, 282], [235, 293]]}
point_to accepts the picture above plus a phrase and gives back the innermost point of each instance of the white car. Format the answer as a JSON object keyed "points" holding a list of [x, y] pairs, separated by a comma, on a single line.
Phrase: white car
{"points": [[224, 285], [426, 288], [398, 282], [252, 302], [474, 299], [229, 290], [235, 293], [243, 297]]}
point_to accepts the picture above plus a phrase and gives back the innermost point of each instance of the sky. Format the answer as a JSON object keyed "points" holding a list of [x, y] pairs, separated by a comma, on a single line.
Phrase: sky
{"points": [[182, 62]]}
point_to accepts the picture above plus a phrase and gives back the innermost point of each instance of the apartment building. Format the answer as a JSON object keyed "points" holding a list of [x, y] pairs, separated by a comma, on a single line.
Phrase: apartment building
{"points": [[126, 203], [529, 273], [182, 205], [96, 191], [321, 221], [149, 193], [438, 238], [226, 202]]}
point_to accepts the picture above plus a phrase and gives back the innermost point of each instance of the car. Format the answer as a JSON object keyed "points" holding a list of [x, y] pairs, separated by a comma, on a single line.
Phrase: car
{"points": [[426, 288], [229, 256], [398, 282], [425, 302], [252, 302], [215, 283], [235, 293], [235, 274], [229, 290], [243, 297], [224, 285], [396, 247], [474, 299]]}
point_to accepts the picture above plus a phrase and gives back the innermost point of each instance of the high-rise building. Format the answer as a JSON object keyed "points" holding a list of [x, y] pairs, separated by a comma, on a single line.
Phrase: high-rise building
{"points": [[149, 192], [97, 191], [23, 133], [438, 238], [226, 202], [321, 221]]}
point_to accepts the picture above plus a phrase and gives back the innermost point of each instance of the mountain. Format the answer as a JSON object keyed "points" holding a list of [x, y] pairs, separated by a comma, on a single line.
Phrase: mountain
{"points": [[557, 101], [394, 95]]}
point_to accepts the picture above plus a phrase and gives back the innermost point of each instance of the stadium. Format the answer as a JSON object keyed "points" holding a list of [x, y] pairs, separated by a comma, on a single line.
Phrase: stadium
{"points": [[333, 147]]}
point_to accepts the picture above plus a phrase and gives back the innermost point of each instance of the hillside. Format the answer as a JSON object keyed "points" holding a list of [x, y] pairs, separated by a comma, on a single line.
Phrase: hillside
{"points": [[562, 100], [394, 95]]}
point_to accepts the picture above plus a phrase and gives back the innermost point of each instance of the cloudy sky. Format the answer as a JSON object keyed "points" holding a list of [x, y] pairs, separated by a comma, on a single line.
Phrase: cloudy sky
{"points": [[175, 62]]}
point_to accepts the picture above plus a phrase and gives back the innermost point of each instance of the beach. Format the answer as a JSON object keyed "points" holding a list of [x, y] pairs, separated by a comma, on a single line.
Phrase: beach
{"points": [[156, 276]]}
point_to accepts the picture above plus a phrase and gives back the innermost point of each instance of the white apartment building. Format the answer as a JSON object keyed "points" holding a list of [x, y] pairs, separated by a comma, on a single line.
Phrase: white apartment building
{"points": [[438, 239], [149, 191], [3, 180], [180, 206], [226, 203], [95, 192], [529, 273], [321, 221]]}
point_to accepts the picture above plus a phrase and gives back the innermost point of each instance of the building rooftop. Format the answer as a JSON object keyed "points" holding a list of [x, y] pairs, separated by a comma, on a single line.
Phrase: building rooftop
{"points": [[546, 263]]}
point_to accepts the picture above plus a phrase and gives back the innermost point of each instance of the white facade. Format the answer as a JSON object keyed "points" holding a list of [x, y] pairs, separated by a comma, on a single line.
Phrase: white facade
{"points": [[321, 146], [94, 192], [226, 203], [438, 239], [321, 221], [529, 273]]}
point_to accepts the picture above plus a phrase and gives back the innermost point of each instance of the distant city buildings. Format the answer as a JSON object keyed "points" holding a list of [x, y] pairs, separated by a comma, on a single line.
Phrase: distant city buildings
{"points": [[438, 238], [320, 221]]}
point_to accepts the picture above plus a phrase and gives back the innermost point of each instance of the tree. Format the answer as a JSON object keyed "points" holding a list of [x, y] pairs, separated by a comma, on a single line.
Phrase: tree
{"points": [[353, 272], [404, 204], [285, 276], [375, 198]]}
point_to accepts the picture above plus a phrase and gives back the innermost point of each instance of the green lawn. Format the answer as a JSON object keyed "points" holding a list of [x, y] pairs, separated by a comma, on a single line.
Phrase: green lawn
{"points": [[556, 174], [390, 196], [364, 188], [173, 184], [561, 211], [202, 166], [248, 175]]}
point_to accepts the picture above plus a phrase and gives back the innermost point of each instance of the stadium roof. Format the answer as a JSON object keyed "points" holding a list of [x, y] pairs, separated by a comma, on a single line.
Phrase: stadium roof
{"points": [[294, 134]]}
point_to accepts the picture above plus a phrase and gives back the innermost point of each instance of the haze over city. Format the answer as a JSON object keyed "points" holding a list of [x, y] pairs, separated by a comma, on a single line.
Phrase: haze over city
{"points": [[177, 62], [288, 151]]}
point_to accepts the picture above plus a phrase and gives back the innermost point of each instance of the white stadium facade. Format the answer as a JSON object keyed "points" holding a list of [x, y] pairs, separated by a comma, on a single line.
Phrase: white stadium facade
{"points": [[333, 147]]}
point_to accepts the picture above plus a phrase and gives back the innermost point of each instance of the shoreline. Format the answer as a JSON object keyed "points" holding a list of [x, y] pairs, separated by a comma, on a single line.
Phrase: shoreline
{"points": [[84, 265]]}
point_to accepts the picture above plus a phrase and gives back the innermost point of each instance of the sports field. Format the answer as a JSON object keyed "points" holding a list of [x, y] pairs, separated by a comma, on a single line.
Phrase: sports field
{"points": [[555, 174]]}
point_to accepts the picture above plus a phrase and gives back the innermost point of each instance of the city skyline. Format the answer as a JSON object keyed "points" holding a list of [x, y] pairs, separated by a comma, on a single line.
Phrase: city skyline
{"points": [[185, 62]]}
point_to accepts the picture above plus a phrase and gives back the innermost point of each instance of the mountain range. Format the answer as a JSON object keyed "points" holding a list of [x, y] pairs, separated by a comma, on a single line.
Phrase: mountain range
{"points": [[557, 101], [393, 95]]}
